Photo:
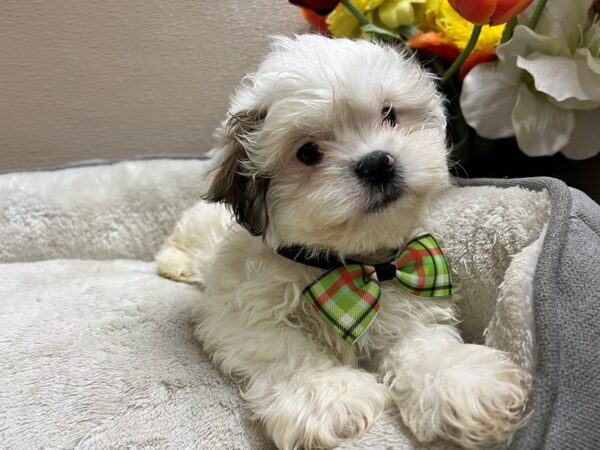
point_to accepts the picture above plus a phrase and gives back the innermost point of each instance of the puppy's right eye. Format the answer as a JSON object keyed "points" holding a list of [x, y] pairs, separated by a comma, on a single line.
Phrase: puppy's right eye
{"points": [[309, 154], [389, 115]]}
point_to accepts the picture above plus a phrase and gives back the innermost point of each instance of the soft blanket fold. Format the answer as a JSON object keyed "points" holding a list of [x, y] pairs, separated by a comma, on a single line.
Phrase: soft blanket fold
{"points": [[99, 354]]}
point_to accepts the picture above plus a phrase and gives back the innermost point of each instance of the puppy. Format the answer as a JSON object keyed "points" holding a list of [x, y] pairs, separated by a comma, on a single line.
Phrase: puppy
{"points": [[329, 153]]}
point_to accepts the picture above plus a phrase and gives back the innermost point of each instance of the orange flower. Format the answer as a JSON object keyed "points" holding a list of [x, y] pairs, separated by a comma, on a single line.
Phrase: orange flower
{"points": [[489, 12], [317, 21], [435, 43], [475, 58], [322, 7]]}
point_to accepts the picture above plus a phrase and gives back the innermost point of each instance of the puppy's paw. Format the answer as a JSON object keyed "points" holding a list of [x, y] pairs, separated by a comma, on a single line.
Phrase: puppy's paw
{"points": [[476, 398], [174, 263], [319, 410]]}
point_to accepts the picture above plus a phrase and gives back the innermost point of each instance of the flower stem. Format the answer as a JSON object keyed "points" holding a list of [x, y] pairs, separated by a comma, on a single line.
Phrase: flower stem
{"points": [[537, 14], [509, 30], [463, 55], [355, 12]]}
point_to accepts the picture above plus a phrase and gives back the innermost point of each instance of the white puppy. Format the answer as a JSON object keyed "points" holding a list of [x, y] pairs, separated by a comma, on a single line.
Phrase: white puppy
{"points": [[330, 150]]}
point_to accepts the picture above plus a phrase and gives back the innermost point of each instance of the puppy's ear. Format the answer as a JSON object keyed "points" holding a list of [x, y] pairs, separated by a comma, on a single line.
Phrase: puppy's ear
{"points": [[233, 182]]}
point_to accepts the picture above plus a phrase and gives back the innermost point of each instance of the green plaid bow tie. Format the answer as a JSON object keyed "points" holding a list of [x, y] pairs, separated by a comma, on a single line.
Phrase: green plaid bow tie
{"points": [[347, 297]]}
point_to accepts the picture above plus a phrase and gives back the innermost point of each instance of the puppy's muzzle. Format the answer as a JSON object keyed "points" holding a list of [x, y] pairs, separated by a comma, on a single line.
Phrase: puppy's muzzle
{"points": [[377, 167], [381, 174]]}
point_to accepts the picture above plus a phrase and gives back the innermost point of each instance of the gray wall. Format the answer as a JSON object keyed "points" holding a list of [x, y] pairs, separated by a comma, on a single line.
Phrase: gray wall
{"points": [[85, 79], [105, 79]]}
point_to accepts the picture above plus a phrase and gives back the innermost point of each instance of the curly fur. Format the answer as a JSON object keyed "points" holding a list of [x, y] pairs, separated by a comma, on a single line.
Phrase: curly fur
{"points": [[302, 381]]}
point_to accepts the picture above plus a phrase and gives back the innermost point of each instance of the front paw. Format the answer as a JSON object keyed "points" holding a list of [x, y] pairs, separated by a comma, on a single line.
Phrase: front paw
{"points": [[174, 263], [318, 410], [474, 396]]}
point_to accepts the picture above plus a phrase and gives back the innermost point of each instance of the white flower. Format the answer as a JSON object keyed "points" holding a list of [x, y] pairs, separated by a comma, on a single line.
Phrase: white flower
{"points": [[545, 87]]}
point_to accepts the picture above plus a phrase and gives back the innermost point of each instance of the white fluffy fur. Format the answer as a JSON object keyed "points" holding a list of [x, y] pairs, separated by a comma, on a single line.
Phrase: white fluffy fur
{"points": [[304, 383]]}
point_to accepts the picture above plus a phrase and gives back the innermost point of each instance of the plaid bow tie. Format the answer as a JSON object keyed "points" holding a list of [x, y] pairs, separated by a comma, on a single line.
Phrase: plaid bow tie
{"points": [[347, 297]]}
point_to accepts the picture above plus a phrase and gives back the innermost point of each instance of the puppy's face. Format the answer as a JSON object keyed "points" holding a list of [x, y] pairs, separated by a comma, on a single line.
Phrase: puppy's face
{"points": [[332, 144]]}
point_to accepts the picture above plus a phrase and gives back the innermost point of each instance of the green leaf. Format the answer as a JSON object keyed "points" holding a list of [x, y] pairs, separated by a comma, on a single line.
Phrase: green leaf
{"points": [[408, 31], [378, 31]]}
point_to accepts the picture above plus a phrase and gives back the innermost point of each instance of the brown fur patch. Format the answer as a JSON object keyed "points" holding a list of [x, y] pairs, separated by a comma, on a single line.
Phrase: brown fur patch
{"points": [[232, 184]]}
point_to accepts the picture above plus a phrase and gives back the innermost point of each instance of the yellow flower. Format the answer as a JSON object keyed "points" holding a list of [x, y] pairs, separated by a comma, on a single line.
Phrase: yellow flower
{"points": [[390, 14], [440, 16], [428, 15], [342, 23], [395, 13]]}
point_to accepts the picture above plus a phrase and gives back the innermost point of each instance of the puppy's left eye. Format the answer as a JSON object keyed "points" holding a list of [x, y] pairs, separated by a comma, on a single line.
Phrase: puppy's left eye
{"points": [[309, 154], [389, 115]]}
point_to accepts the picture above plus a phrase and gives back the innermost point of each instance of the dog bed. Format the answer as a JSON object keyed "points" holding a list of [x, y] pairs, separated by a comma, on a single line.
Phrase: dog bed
{"points": [[97, 350]]}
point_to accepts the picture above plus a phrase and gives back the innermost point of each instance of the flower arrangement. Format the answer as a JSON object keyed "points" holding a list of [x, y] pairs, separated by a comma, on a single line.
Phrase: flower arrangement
{"points": [[528, 70]]}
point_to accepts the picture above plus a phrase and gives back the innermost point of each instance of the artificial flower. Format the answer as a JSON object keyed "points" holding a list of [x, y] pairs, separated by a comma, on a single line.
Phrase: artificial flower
{"points": [[321, 7], [390, 14], [396, 13], [317, 21], [441, 17], [446, 33], [545, 87], [489, 12], [435, 42], [474, 59], [342, 23]]}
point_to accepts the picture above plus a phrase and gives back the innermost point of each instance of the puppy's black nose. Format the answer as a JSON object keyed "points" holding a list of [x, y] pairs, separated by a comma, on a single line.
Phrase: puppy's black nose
{"points": [[376, 167]]}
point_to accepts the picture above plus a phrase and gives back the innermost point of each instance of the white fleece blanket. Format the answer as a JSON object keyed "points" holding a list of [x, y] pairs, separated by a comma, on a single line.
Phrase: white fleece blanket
{"points": [[100, 354]]}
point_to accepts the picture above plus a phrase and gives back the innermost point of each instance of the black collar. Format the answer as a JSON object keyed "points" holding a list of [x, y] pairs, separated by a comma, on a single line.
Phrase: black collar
{"points": [[297, 253], [300, 254]]}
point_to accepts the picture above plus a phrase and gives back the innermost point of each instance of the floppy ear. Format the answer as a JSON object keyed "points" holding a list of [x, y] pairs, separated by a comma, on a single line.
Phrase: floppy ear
{"points": [[233, 183]]}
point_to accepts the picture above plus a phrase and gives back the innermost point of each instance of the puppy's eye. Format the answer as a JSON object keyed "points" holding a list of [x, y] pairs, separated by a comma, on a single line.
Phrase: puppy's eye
{"points": [[309, 154], [389, 115]]}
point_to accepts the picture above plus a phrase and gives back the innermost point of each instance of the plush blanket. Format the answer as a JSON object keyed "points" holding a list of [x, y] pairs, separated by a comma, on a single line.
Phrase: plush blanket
{"points": [[98, 350]]}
